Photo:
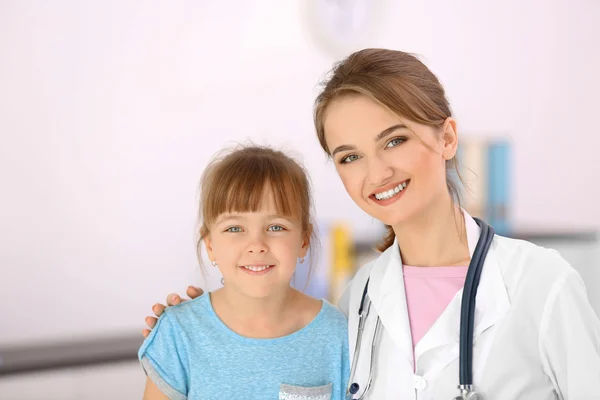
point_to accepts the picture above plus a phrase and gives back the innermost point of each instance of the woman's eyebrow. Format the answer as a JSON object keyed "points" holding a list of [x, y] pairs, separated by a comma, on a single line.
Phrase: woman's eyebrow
{"points": [[380, 135]]}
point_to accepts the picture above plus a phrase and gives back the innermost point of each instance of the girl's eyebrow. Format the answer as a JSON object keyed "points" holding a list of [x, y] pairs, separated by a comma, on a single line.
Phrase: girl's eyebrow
{"points": [[276, 216], [228, 217], [236, 217]]}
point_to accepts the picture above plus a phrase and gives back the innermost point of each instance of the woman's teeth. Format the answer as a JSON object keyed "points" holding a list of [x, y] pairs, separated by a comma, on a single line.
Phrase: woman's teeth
{"points": [[392, 192], [256, 268]]}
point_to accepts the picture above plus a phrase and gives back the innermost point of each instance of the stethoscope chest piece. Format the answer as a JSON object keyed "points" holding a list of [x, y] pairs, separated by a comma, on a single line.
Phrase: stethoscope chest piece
{"points": [[468, 394]]}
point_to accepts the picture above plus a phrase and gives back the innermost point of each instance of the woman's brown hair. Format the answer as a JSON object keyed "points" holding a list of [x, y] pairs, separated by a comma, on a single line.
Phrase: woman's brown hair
{"points": [[397, 81]]}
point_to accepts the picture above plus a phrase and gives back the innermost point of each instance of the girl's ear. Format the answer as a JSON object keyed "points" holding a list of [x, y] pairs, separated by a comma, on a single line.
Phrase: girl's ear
{"points": [[305, 242], [208, 244]]}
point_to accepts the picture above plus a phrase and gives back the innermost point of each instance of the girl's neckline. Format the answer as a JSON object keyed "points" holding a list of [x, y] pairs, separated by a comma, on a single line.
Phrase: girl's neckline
{"points": [[264, 341]]}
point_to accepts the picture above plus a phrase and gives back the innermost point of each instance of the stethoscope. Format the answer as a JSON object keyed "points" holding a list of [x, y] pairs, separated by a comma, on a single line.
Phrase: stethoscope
{"points": [[467, 322]]}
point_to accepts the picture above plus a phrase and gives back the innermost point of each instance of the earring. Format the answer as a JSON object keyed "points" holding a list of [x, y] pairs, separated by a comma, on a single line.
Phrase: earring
{"points": [[222, 281], [301, 260], [213, 262]]}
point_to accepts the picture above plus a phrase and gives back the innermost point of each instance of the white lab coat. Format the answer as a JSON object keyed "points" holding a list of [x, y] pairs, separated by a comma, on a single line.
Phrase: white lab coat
{"points": [[536, 336]]}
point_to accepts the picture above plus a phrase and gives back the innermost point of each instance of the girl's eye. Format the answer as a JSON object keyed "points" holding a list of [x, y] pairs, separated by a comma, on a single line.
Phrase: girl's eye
{"points": [[233, 229], [349, 159], [395, 142], [276, 228]]}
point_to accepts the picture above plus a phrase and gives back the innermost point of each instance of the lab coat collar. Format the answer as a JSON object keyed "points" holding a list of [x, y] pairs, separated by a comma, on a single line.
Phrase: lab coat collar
{"points": [[388, 297], [492, 303]]}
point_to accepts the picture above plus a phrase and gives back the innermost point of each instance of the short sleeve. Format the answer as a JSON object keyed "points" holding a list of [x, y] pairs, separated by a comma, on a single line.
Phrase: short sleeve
{"points": [[164, 359], [570, 340]]}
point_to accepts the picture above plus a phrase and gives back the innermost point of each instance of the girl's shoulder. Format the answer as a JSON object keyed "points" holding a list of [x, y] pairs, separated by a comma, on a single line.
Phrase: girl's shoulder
{"points": [[331, 319], [321, 315], [191, 311]]}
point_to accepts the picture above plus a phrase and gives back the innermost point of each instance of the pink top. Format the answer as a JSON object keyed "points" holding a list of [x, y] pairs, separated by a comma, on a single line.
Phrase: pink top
{"points": [[429, 290]]}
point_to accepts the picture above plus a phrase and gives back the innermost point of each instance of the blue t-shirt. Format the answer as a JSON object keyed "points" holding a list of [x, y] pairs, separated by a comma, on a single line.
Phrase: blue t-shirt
{"points": [[192, 354]]}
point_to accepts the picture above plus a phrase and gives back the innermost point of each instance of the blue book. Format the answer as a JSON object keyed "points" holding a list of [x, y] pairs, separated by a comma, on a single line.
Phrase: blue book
{"points": [[498, 199]]}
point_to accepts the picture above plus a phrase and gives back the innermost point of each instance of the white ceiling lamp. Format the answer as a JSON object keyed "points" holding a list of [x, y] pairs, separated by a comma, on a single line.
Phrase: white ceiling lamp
{"points": [[339, 27]]}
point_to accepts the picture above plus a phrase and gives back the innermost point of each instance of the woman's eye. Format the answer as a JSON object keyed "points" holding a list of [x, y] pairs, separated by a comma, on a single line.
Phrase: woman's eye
{"points": [[394, 142], [233, 229], [276, 228], [349, 159]]}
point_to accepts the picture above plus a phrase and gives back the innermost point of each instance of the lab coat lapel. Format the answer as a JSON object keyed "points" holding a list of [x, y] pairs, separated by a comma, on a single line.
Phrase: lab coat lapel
{"points": [[492, 303], [388, 297]]}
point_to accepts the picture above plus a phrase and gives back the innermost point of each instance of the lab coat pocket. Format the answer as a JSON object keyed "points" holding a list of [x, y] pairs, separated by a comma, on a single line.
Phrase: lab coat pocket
{"points": [[292, 392]]}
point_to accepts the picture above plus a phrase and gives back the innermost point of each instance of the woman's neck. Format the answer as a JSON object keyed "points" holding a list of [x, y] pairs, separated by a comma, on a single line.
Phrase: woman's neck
{"points": [[268, 317], [435, 238]]}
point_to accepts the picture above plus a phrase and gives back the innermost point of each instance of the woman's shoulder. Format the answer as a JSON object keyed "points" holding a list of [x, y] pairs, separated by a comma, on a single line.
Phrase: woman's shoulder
{"points": [[530, 267], [530, 256], [355, 286]]}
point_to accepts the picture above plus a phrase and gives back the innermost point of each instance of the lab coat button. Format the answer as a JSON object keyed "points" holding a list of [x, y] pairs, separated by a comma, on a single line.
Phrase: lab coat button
{"points": [[420, 382]]}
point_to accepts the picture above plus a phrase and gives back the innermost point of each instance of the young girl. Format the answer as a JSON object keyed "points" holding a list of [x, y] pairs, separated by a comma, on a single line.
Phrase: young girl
{"points": [[256, 337]]}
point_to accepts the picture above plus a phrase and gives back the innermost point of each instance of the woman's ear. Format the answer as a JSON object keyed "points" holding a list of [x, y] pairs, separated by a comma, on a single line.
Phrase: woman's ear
{"points": [[450, 138]]}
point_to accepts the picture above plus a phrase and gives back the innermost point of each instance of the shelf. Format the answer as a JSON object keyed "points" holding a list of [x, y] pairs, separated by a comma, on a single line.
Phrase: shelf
{"points": [[24, 359], [534, 236]]}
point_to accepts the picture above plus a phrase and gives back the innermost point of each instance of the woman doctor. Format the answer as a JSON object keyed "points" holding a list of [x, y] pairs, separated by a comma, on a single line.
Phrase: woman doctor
{"points": [[385, 121]]}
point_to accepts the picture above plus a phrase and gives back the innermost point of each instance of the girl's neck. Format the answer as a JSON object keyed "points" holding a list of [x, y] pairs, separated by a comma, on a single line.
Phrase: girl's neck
{"points": [[435, 238], [273, 316]]}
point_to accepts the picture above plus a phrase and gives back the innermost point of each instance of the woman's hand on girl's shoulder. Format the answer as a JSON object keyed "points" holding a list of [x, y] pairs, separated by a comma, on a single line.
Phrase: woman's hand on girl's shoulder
{"points": [[172, 300]]}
